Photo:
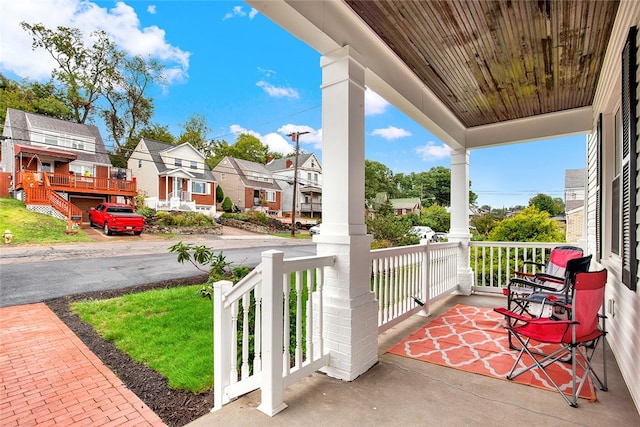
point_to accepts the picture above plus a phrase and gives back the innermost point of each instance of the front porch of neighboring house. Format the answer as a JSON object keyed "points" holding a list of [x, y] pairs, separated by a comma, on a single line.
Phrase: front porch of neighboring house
{"points": [[176, 193], [284, 299], [311, 203]]}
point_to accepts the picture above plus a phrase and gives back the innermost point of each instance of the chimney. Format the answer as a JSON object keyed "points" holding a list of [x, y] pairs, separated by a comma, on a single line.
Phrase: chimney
{"points": [[289, 164]]}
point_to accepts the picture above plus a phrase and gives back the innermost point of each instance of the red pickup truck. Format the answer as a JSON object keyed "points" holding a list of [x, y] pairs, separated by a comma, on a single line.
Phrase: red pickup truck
{"points": [[116, 217]]}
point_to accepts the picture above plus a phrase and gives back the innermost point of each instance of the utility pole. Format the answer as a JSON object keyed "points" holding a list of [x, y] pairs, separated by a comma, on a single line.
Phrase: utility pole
{"points": [[295, 136]]}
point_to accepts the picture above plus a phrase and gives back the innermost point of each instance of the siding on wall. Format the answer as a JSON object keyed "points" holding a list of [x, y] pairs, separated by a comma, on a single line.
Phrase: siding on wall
{"points": [[624, 333]]}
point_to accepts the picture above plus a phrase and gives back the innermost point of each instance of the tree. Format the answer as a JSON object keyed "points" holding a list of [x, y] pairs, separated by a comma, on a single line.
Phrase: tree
{"points": [[484, 224], [378, 179], [100, 78], [546, 203], [220, 194], [432, 186], [33, 97], [248, 147], [436, 217], [83, 71], [195, 132], [157, 132], [529, 225], [127, 107]]}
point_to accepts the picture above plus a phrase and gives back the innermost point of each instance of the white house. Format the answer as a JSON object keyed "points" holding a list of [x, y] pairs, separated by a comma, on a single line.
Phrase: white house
{"points": [[308, 184], [173, 177]]}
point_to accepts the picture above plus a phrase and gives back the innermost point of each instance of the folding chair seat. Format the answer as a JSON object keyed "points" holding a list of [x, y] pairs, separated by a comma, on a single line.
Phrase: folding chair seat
{"points": [[577, 336]]}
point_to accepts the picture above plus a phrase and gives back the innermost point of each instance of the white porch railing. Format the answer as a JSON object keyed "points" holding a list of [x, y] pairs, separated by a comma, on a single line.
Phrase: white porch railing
{"points": [[493, 262], [268, 328], [408, 279], [280, 298]]}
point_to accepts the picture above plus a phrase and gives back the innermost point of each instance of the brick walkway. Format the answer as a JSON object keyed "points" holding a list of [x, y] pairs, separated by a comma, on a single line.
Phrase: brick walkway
{"points": [[50, 377]]}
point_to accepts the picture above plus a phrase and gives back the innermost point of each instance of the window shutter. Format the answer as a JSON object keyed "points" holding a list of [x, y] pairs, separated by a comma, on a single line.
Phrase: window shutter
{"points": [[599, 189], [629, 159]]}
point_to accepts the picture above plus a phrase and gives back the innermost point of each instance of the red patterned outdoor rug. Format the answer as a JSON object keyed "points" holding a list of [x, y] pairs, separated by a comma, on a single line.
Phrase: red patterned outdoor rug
{"points": [[473, 339]]}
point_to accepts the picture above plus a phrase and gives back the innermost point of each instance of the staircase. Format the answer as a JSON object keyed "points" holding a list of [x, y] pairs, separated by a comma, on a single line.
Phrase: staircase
{"points": [[45, 200]]}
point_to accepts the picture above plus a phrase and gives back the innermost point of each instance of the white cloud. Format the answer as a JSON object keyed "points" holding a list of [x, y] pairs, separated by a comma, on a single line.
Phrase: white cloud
{"points": [[278, 92], [120, 22], [391, 132], [237, 11], [151, 9], [274, 141], [374, 104], [432, 152]]}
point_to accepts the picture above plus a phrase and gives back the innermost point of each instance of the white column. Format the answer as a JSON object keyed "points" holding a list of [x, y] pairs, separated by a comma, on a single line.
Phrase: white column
{"points": [[459, 231], [350, 309]]}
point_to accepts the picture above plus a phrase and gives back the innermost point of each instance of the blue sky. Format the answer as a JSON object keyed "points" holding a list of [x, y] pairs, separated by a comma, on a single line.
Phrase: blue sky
{"points": [[243, 73]]}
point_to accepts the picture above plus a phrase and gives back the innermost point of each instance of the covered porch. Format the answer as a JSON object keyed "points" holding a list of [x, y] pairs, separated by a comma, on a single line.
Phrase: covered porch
{"points": [[407, 392], [462, 71]]}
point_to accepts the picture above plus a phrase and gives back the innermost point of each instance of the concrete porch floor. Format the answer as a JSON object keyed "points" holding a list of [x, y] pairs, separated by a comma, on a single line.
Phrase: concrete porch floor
{"points": [[405, 392]]}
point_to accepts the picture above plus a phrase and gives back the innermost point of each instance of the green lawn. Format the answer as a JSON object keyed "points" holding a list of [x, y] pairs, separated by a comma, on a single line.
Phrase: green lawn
{"points": [[31, 227], [168, 330]]}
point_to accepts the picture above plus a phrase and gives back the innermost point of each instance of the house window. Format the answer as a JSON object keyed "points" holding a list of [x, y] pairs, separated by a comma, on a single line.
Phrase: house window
{"points": [[199, 187], [51, 139], [223, 176], [139, 163], [77, 145], [271, 196], [194, 165], [265, 178], [177, 162], [615, 185]]}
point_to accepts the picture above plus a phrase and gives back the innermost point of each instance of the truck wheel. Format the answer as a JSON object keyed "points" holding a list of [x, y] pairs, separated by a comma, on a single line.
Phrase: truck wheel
{"points": [[137, 233], [106, 229], [91, 224], [298, 225]]}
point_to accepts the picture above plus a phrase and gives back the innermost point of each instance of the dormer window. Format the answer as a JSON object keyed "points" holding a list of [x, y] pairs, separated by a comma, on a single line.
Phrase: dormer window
{"points": [[194, 165], [177, 162], [51, 139]]}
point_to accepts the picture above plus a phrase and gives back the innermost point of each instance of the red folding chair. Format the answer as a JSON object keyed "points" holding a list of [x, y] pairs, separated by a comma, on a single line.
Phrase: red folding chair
{"points": [[577, 336], [553, 279]]}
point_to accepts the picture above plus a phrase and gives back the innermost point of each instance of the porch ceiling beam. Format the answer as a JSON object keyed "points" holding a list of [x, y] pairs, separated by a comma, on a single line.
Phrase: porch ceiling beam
{"points": [[544, 126]]}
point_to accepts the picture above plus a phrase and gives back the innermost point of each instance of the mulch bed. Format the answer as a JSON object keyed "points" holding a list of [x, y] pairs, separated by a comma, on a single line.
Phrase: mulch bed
{"points": [[176, 408]]}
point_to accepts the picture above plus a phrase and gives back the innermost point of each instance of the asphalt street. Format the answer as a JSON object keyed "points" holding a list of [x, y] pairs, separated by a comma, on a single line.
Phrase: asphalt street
{"points": [[34, 273]]}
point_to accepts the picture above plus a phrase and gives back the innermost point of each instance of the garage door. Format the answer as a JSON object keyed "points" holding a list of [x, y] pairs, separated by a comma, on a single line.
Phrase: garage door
{"points": [[85, 203]]}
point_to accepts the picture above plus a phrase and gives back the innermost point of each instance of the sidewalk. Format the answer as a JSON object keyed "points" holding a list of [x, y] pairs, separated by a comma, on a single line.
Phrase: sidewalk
{"points": [[50, 377]]}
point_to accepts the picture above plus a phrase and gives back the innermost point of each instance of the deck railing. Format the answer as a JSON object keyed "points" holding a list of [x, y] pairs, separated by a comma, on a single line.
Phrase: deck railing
{"points": [[408, 279], [493, 262], [268, 329], [76, 182]]}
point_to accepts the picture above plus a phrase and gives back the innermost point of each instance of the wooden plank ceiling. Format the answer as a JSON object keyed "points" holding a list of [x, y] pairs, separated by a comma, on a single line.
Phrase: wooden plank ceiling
{"points": [[492, 61]]}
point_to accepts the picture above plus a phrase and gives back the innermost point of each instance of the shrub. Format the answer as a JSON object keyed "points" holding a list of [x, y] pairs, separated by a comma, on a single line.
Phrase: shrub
{"points": [[227, 204]]}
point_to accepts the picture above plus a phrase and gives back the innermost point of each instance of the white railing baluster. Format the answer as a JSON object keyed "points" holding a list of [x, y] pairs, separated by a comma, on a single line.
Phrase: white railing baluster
{"points": [[246, 305], [286, 357], [299, 312]]}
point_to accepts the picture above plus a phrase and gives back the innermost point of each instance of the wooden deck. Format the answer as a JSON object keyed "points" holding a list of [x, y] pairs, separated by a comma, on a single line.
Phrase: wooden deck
{"points": [[76, 184]]}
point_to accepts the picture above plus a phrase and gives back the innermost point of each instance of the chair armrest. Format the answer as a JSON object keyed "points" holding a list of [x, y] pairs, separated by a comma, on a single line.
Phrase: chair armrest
{"points": [[537, 264], [549, 278], [536, 320]]}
